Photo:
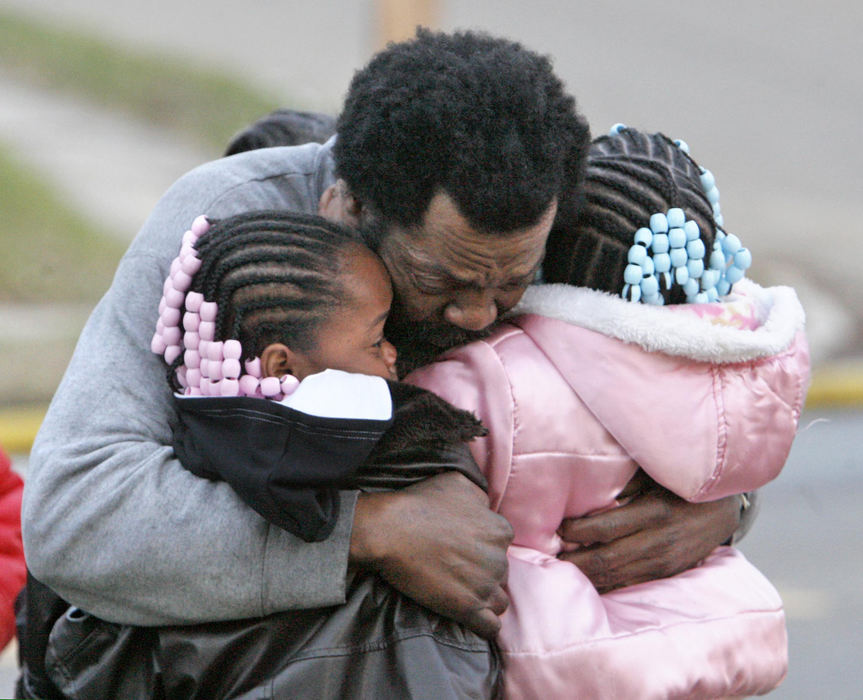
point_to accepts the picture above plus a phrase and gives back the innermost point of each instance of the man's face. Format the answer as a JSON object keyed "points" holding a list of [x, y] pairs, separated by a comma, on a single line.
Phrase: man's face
{"points": [[451, 281]]}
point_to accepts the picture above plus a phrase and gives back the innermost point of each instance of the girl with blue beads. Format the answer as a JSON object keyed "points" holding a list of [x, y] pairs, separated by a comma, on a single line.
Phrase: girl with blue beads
{"points": [[679, 375]]}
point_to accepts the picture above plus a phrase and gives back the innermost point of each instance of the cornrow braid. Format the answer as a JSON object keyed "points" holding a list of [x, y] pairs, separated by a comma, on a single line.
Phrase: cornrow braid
{"points": [[274, 276], [630, 176]]}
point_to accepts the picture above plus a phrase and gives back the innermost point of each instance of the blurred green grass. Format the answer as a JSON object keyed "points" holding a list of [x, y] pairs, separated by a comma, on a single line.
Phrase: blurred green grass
{"points": [[52, 252], [205, 105]]}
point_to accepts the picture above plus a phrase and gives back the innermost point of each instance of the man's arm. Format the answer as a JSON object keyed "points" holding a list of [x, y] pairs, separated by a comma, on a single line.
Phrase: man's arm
{"points": [[654, 535], [115, 525]]}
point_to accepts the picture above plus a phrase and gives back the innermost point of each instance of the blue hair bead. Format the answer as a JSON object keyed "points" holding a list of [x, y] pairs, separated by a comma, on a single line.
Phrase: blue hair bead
{"points": [[676, 237], [648, 267], [675, 217], [701, 298], [637, 254], [658, 223], [649, 286], [695, 268], [660, 243], [730, 244], [662, 262], [695, 249], [632, 274], [717, 260], [678, 257], [690, 287], [709, 279], [733, 274], [712, 294], [692, 231], [644, 236], [681, 275], [707, 179], [743, 259], [720, 221], [713, 196], [616, 129], [682, 145], [723, 287]]}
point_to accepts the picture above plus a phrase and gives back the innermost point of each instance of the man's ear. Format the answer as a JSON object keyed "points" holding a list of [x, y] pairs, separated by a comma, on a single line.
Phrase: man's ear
{"points": [[278, 359], [339, 205]]}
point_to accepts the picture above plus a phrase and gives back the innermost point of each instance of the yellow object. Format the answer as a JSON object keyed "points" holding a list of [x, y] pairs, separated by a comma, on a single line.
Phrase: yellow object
{"points": [[18, 427]]}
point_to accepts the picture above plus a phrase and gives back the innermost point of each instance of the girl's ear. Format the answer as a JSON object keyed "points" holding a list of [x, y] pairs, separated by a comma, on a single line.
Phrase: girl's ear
{"points": [[278, 359]]}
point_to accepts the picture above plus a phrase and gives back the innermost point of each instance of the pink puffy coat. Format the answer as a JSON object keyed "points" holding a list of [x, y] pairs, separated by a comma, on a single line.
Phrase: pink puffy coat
{"points": [[580, 389]]}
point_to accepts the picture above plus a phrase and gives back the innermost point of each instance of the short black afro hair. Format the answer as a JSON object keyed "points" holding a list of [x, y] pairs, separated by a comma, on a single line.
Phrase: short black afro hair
{"points": [[480, 118]]}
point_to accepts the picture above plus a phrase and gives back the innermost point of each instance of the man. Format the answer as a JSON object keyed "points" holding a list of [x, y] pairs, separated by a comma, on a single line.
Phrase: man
{"points": [[456, 150]]}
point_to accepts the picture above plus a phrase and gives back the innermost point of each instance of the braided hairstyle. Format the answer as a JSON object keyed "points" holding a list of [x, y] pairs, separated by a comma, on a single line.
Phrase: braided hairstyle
{"points": [[630, 175], [274, 276]]}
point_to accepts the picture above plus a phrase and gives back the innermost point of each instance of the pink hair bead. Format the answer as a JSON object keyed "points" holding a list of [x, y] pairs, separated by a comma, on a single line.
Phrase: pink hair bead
{"points": [[204, 366], [172, 335], [174, 298], [253, 367], [172, 352], [182, 280], [200, 225], [158, 344], [288, 384], [193, 377], [215, 370], [167, 286], [270, 386], [214, 351], [207, 330], [191, 340], [189, 238], [181, 377], [170, 316], [193, 301], [175, 267], [208, 311], [162, 305], [205, 387], [191, 358], [191, 321], [231, 368], [230, 387], [193, 391], [248, 385], [232, 350], [191, 264], [160, 325]]}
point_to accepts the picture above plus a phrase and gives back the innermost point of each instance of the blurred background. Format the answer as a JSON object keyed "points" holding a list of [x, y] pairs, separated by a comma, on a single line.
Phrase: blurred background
{"points": [[104, 103]]}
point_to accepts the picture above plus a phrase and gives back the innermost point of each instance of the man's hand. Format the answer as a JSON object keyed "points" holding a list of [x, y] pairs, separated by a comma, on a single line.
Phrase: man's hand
{"points": [[438, 543], [653, 535]]}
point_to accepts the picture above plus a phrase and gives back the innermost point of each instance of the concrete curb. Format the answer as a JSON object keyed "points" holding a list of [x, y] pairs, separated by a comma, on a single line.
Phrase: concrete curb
{"points": [[839, 386]]}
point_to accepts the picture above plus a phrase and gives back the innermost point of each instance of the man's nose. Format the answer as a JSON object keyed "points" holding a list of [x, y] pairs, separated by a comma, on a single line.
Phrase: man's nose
{"points": [[472, 310]]}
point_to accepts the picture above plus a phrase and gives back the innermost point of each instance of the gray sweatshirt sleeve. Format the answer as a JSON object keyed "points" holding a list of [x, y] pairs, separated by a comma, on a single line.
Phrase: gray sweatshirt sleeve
{"points": [[111, 520]]}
